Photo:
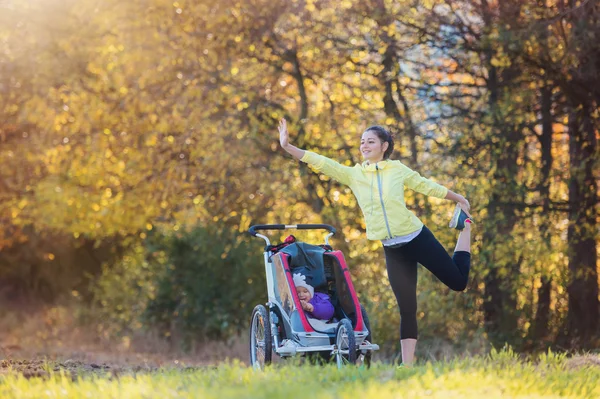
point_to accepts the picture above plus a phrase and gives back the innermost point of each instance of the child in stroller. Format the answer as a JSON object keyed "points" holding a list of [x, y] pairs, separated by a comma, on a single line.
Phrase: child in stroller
{"points": [[316, 304]]}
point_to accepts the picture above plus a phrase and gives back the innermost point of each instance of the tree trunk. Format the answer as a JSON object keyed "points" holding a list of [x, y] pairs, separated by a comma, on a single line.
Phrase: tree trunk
{"points": [[499, 302], [584, 307], [540, 329]]}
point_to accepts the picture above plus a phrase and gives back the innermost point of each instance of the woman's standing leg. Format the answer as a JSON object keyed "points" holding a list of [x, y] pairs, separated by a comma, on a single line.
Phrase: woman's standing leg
{"points": [[408, 346], [402, 273]]}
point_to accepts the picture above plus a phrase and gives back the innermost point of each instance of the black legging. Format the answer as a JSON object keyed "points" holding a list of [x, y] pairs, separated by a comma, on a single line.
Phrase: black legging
{"points": [[401, 265]]}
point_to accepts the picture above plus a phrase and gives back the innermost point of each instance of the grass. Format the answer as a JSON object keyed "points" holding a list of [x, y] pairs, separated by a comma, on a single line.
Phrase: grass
{"points": [[499, 375]]}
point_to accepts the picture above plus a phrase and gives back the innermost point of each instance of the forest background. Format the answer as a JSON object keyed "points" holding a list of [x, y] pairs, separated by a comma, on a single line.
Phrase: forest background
{"points": [[138, 143]]}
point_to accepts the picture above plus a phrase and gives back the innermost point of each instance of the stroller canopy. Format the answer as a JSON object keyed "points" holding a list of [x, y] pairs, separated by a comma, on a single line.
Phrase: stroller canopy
{"points": [[307, 259]]}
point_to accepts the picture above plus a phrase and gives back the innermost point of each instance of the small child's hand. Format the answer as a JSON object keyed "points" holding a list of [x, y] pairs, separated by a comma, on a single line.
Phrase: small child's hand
{"points": [[307, 306]]}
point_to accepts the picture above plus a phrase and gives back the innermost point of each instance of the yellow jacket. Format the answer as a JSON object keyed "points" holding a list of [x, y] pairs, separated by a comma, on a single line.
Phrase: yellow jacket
{"points": [[379, 189]]}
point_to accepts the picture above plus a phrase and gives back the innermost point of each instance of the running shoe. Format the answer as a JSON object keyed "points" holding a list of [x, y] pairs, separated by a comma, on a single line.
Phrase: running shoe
{"points": [[459, 218]]}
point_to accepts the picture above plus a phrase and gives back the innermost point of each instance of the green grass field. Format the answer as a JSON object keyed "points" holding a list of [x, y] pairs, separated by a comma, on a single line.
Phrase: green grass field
{"points": [[499, 375]]}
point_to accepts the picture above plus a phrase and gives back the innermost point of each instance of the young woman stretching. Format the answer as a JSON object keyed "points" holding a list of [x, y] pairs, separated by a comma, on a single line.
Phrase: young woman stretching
{"points": [[378, 184]]}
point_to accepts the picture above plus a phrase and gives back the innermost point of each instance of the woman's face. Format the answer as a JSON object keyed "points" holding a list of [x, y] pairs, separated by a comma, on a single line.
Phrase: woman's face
{"points": [[371, 147]]}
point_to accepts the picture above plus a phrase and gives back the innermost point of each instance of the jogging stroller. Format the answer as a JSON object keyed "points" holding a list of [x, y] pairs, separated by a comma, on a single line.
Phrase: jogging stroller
{"points": [[282, 327]]}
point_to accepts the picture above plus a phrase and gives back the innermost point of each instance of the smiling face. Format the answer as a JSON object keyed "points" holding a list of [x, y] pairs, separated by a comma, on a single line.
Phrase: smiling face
{"points": [[303, 294], [371, 147]]}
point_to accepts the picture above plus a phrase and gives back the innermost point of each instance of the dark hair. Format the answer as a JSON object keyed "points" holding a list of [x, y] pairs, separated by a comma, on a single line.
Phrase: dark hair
{"points": [[385, 136]]}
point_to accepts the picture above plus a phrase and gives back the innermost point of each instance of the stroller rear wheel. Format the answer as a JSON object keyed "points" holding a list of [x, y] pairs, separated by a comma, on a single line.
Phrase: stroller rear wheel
{"points": [[260, 338], [345, 343]]}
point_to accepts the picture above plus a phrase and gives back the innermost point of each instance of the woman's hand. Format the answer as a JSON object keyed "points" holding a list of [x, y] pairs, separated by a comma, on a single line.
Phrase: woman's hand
{"points": [[462, 201], [284, 140], [284, 137], [464, 204]]}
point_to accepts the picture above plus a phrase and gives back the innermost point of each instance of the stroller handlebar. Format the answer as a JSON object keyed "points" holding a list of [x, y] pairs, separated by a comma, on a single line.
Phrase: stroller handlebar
{"points": [[252, 230]]}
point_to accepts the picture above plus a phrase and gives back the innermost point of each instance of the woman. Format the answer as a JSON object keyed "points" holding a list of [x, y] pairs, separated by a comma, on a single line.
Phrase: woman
{"points": [[378, 184]]}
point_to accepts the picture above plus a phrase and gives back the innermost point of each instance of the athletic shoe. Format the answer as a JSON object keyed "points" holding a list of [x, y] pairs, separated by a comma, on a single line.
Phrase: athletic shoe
{"points": [[459, 218]]}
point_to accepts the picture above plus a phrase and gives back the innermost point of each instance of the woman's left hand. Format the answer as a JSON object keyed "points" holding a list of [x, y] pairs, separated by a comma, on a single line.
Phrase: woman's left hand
{"points": [[464, 204], [462, 201]]}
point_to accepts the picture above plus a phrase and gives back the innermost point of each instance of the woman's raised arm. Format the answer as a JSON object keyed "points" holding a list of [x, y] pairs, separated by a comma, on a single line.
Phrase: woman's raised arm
{"points": [[284, 140]]}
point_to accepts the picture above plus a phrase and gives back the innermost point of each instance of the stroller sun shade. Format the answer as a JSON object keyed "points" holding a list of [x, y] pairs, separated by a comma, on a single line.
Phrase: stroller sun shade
{"points": [[307, 260]]}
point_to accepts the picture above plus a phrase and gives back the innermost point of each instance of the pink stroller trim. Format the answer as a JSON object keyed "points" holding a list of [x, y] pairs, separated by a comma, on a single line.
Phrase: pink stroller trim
{"points": [[340, 257], [290, 280]]}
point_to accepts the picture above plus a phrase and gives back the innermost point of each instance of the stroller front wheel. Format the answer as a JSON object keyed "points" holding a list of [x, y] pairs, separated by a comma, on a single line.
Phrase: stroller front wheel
{"points": [[345, 343], [260, 338]]}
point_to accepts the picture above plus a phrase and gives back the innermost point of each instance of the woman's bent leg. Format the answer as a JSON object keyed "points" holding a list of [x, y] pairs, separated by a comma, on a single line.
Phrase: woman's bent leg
{"points": [[402, 273], [427, 250], [464, 239]]}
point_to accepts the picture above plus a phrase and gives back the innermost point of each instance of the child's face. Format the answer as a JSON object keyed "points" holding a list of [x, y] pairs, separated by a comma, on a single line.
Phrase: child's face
{"points": [[303, 294]]}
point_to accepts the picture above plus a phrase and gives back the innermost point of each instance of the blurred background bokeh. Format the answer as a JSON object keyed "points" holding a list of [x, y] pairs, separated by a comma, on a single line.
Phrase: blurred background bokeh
{"points": [[138, 143]]}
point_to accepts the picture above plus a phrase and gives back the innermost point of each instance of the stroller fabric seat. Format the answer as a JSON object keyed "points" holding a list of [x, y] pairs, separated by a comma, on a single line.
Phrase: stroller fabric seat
{"points": [[307, 260], [322, 325]]}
